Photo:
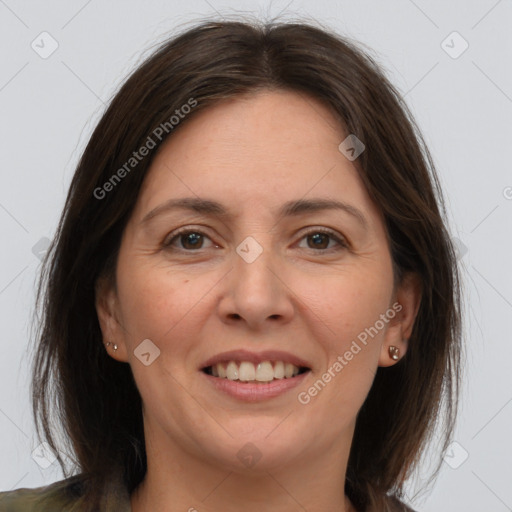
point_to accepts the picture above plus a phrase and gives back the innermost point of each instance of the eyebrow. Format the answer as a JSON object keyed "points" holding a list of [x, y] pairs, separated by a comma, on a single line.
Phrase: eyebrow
{"points": [[288, 209]]}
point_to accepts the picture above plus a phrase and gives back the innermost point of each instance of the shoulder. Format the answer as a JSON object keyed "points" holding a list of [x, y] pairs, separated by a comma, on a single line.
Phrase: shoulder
{"points": [[56, 497]]}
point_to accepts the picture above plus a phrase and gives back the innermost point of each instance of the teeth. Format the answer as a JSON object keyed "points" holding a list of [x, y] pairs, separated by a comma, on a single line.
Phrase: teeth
{"points": [[232, 371], [288, 370], [279, 370], [246, 371]]}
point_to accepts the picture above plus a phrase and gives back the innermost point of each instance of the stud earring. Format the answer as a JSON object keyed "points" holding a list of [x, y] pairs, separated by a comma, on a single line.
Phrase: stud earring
{"points": [[394, 353], [110, 343]]}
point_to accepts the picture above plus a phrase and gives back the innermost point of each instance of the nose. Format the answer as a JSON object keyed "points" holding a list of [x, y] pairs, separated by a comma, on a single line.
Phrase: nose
{"points": [[255, 291]]}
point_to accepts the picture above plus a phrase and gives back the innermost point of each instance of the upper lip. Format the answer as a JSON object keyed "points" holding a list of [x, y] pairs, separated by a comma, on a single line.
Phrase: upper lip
{"points": [[255, 358]]}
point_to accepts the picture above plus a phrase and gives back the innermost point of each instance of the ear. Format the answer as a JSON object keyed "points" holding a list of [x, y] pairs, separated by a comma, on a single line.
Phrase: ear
{"points": [[406, 303], [107, 309]]}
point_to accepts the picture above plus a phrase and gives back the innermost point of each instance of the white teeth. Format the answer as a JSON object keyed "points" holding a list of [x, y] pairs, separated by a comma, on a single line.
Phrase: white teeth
{"points": [[279, 370], [288, 370], [264, 372], [232, 371], [246, 371]]}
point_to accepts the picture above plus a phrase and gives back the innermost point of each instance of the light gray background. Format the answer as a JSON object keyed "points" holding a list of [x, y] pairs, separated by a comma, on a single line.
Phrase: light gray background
{"points": [[463, 106]]}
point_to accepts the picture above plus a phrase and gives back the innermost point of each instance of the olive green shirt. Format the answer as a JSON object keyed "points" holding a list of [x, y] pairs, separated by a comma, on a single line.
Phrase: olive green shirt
{"points": [[64, 496]]}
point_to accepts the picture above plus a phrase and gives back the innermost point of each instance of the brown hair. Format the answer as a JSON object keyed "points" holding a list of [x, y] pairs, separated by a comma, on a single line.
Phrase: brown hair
{"points": [[95, 398]]}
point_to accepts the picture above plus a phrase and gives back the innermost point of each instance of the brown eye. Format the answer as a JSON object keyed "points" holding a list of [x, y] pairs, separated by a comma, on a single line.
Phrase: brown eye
{"points": [[191, 240], [319, 240], [188, 240]]}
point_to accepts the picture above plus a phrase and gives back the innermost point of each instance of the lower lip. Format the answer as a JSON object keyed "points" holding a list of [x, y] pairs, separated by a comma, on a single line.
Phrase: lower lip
{"points": [[249, 392]]}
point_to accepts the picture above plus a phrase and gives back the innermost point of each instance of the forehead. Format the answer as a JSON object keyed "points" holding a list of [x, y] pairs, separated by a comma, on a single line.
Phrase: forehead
{"points": [[261, 149]]}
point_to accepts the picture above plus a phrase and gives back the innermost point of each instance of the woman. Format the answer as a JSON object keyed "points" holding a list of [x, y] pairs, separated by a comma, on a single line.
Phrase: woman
{"points": [[252, 301]]}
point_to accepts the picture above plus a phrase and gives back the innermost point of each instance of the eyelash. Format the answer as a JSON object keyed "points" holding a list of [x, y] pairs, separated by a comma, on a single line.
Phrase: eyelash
{"points": [[167, 244]]}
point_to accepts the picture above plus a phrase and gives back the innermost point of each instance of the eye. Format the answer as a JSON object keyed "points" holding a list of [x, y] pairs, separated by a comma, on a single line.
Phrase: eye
{"points": [[192, 240], [189, 239], [320, 237]]}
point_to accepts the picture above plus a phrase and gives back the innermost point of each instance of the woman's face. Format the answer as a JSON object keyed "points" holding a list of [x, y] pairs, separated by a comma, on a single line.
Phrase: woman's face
{"points": [[315, 284]]}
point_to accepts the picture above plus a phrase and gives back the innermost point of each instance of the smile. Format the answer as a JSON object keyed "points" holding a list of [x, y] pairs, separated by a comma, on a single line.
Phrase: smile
{"points": [[246, 371], [253, 383]]}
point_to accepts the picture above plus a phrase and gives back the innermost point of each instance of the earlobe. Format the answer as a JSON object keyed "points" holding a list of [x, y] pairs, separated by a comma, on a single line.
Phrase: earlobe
{"points": [[106, 303], [408, 297], [393, 348]]}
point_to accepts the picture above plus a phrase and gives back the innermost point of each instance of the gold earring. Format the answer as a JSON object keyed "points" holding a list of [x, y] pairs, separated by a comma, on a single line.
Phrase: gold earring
{"points": [[394, 352], [110, 343]]}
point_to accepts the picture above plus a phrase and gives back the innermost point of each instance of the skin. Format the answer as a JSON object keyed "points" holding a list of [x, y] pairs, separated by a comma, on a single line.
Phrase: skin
{"points": [[252, 154]]}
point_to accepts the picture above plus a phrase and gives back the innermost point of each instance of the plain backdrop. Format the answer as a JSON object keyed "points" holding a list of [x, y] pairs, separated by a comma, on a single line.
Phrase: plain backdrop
{"points": [[450, 60]]}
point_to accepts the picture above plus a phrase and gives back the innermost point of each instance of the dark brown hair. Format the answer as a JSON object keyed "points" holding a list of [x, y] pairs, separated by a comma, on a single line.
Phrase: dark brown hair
{"points": [[94, 399]]}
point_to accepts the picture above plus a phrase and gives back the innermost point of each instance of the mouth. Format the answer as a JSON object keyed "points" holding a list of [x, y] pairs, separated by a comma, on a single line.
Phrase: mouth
{"points": [[247, 372], [254, 377], [247, 382]]}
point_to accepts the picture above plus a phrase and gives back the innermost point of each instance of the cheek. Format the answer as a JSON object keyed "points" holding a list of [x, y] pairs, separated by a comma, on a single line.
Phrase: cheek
{"points": [[154, 298], [167, 307], [346, 303], [352, 346], [158, 305]]}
